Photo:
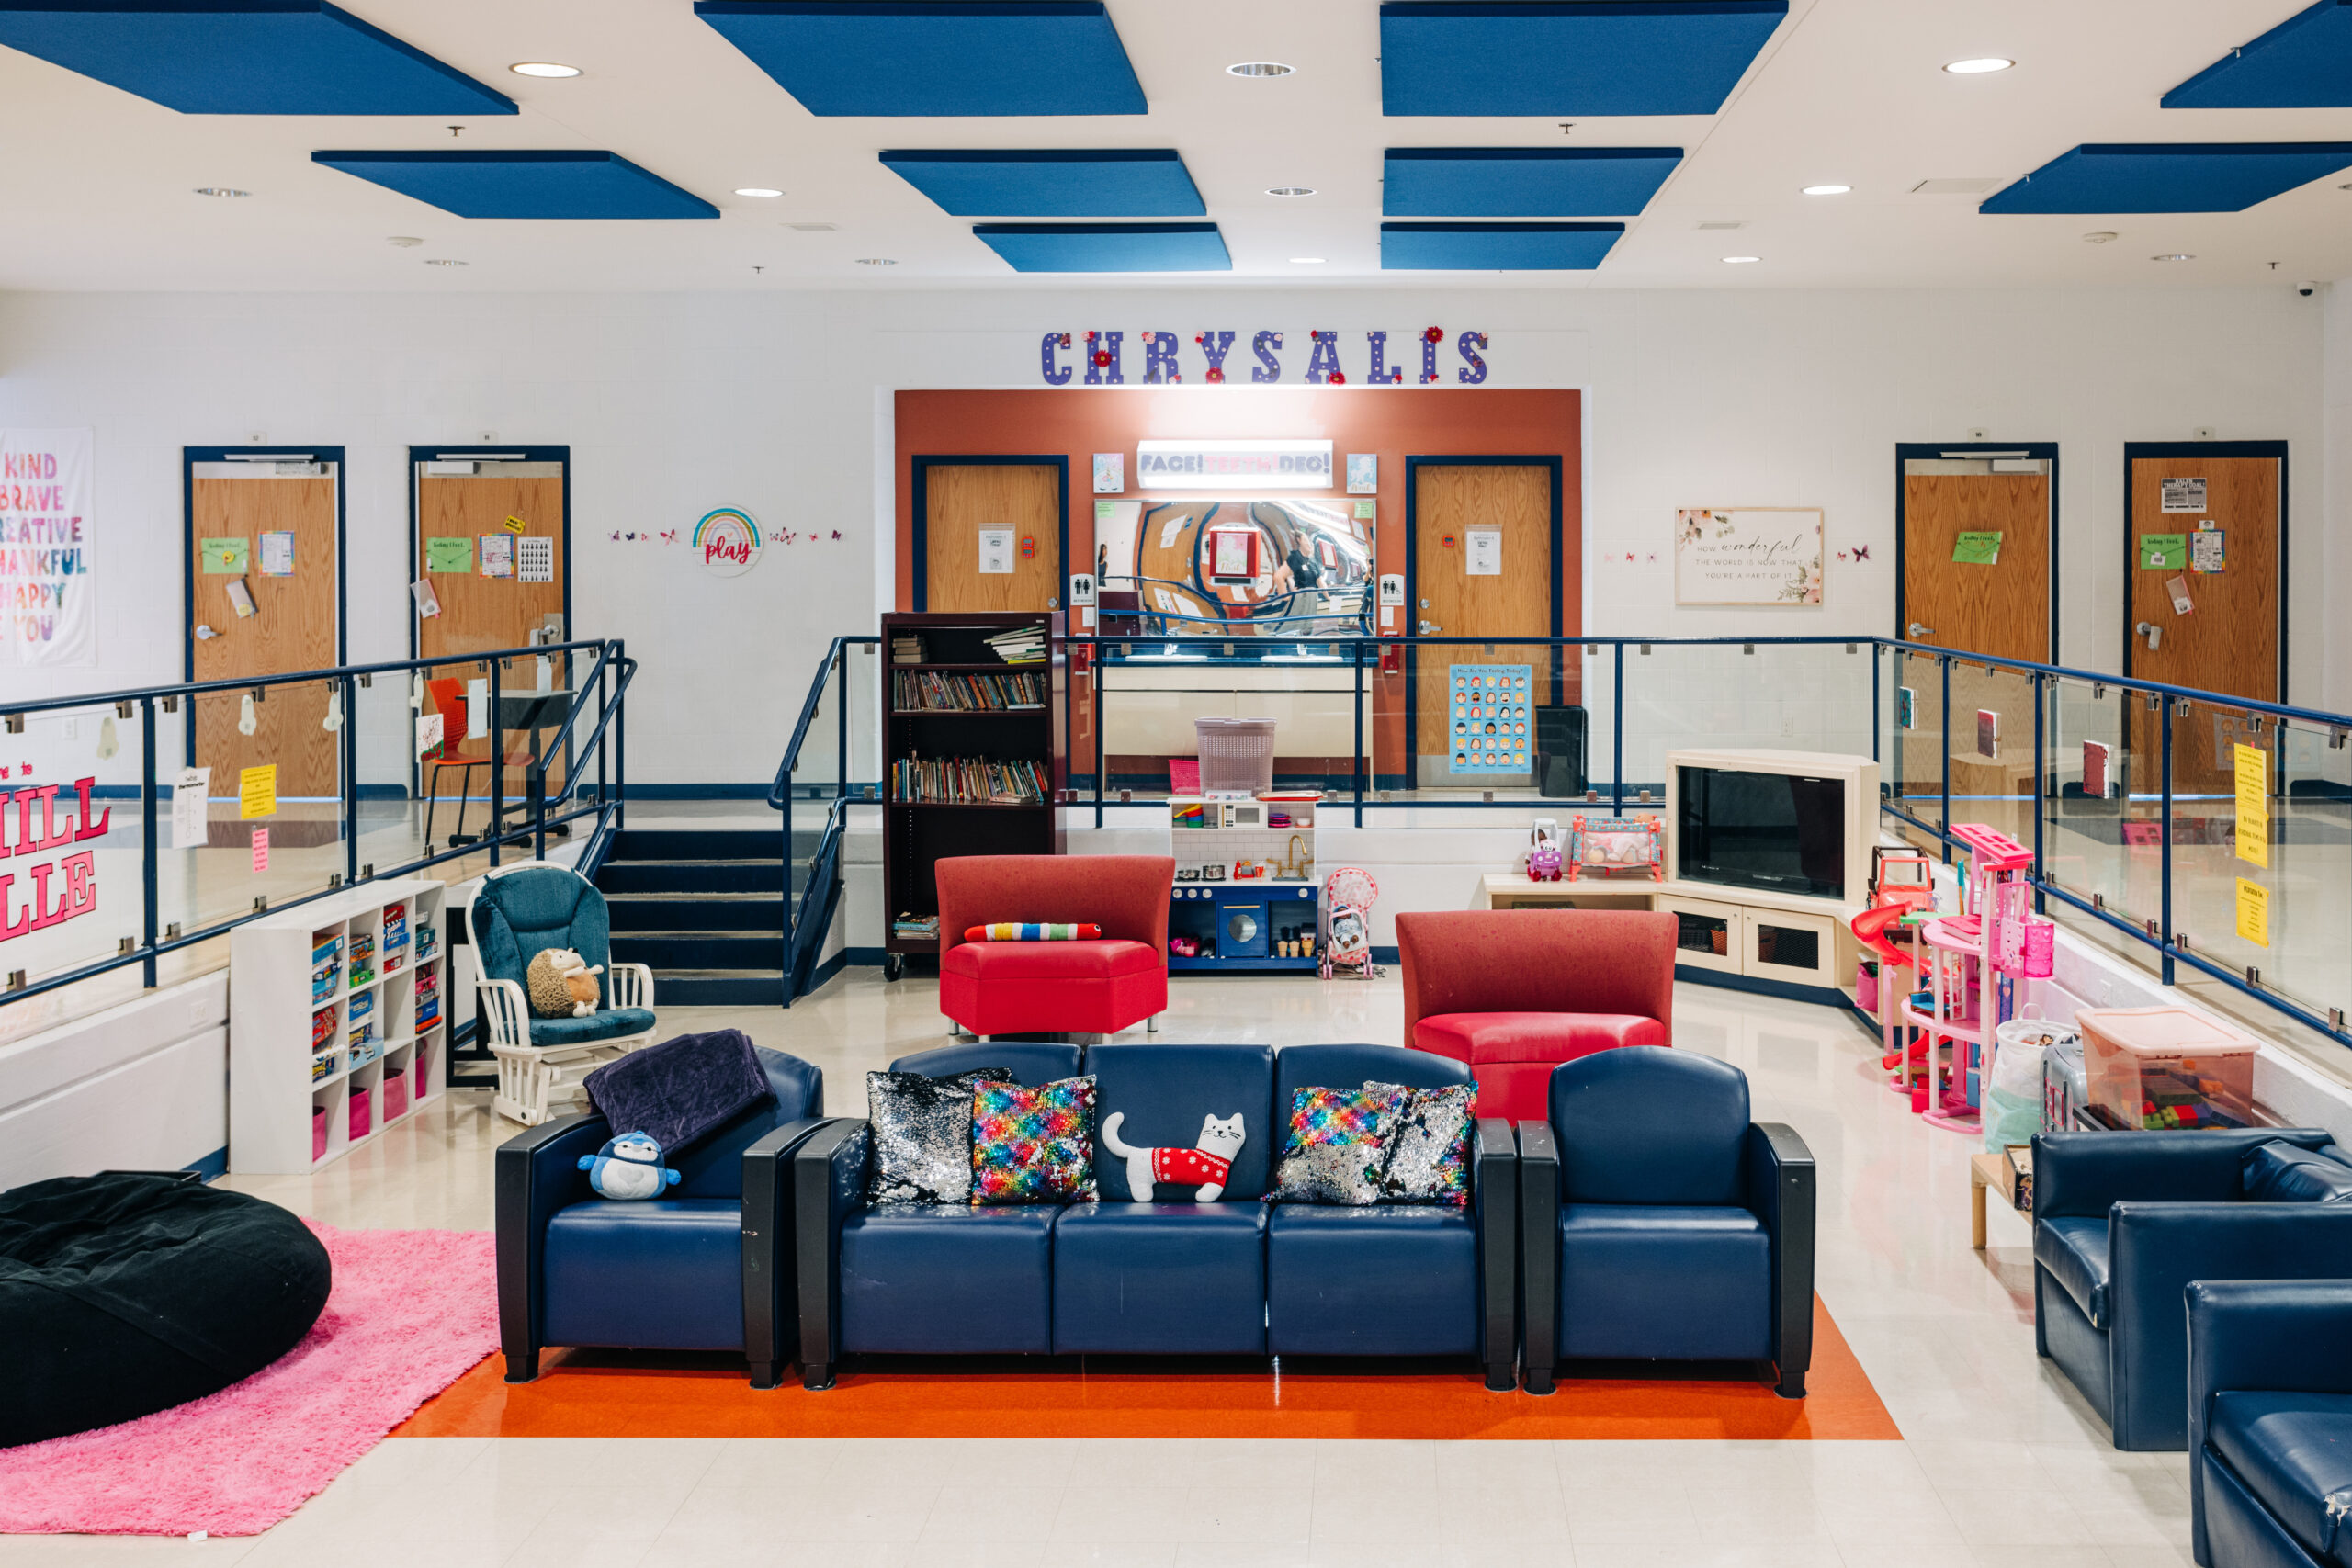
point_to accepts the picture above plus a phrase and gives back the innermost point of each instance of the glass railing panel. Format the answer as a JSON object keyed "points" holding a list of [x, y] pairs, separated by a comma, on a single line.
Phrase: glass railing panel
{"points": [[1148, 694], [862, 679], [71, 887], [2260, 850], [1992, 758], [1911, 763], [2097, 843], [1744, 696], [390, 771], [274, 824]]}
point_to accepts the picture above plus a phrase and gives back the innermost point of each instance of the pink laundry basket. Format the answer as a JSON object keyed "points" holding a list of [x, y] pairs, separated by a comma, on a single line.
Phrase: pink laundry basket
{"points": [[395, 1093], [362, 1118], [318, 1132]]}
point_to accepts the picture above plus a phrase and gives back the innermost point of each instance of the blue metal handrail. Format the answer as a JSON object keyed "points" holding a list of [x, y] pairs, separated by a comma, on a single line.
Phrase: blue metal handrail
{"points": [[531, 831], [802, 930]]}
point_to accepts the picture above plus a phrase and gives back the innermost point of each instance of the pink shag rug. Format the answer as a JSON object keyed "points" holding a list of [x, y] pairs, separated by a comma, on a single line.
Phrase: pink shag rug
{"points": [[408, 1313]]}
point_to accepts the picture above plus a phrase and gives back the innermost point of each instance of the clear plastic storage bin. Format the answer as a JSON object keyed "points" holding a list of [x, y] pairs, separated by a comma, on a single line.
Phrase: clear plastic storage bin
{"points": [[1236, 754], [2161, 1068]]}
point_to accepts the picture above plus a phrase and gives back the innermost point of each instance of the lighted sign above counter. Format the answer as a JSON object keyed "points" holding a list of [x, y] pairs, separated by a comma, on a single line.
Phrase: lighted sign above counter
{"points": [[1220, 465]]}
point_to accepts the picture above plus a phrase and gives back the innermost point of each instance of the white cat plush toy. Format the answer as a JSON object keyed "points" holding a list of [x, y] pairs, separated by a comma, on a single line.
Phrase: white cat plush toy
{"points": [[1209, 1161]]}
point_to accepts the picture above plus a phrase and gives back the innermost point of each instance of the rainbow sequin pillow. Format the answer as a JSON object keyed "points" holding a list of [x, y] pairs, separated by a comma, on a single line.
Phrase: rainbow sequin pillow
{"points": [[1337, 1145], [1429, 1154], [1034, 1145]]}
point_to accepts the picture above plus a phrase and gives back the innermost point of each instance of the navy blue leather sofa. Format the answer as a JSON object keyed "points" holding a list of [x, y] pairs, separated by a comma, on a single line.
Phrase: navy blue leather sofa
{"points": [[2124, 1221], [1660, 1223], [1128, 1276], [708, 1267], [2271, 1423]]}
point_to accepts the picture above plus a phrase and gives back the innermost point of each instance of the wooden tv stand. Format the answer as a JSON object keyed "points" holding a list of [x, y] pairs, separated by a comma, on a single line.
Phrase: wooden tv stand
{"points": [[1780, 944]]}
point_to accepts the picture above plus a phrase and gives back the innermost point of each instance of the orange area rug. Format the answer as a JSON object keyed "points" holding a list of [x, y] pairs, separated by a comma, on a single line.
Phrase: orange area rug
{"points": [[580, 1396]]}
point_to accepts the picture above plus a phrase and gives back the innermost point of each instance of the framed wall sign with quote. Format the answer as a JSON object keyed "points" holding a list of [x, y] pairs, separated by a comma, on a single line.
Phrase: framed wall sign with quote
{"points": [[1748, 555]]}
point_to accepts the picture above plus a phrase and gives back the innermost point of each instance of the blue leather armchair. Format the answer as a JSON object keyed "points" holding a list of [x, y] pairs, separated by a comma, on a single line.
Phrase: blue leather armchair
{"points": [[2124, 1222], [1660, 1223], [2271, 1423], [710, 1267], [1120, 1276]]}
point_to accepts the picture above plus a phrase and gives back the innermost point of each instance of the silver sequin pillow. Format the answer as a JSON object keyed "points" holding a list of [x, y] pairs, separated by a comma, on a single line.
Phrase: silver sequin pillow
{"points": [[1429, 1154], [1337, 1145], [922, 1148]]}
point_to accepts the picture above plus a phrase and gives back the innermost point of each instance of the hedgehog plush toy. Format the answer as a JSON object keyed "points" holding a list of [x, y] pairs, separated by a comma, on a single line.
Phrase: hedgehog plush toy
{"points": [[562, 984], [628, 1167]]}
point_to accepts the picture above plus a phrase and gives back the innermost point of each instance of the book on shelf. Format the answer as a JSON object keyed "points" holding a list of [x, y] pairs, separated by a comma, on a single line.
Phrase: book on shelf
{"points": [[968, 780], [363, 958], [427, 941], [428, 1012], [322, 1028], [363, 1006], [916, 927], [395, 928], [930, 692], [906, 649], [1019, 645]]}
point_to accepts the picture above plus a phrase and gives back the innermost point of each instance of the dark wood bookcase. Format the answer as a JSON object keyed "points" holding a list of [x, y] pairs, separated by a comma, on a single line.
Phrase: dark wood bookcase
{"points": [[916, 835]]}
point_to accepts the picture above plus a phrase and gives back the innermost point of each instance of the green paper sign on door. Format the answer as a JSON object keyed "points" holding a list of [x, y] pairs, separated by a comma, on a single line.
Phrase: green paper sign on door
{"points": [[1977, 549], [449, 556], [2163, 552]]}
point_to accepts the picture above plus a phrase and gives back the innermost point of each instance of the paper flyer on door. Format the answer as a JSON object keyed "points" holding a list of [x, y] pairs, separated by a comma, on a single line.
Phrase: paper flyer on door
{"points": [[47, 613]]}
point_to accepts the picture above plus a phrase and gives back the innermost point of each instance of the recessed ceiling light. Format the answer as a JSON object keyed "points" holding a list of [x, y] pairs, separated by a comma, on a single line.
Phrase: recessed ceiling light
{"points": [[438, 260], [2099, 236], [543, 68], [756, 190], [875, 261], [220, 190], [1258, 68], [2177, 255], [1290, 190], [1306, 261], [405, 241], [1828, 190], [1741, 261], [1979, 67]]}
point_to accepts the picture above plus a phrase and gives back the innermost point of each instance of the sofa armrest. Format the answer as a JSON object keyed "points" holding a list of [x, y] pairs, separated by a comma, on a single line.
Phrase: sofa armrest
{"points": [[535, 1173], [1494, 1192], [828, 1181], [771, 1269], [2081, 1175], [2292, 1336], [1783, 1191], [2155, 1250], [1539, 1254]]}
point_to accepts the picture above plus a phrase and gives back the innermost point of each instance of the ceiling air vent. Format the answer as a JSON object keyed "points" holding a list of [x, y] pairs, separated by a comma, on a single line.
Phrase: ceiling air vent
{"points": [[1705, 228], [813, 228], [1954, 187]]}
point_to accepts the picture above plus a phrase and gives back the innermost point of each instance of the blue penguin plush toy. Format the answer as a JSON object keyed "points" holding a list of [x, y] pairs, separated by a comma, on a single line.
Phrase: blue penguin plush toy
{"points": [[628, 1167]]}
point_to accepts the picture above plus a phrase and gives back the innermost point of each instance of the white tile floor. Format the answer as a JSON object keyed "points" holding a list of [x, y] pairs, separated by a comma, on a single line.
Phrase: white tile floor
{"points": [[2003, 1465]]}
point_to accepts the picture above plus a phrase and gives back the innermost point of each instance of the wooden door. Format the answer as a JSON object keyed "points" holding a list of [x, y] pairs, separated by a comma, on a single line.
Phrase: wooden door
{"points": [[293, 626], [1952, 598], [2229, 642], [960, 500], [481, 614], [1448, 599]]}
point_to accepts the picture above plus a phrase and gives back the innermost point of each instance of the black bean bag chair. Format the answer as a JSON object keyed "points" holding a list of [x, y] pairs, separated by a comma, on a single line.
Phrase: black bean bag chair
{"points": [[129, 1292]]}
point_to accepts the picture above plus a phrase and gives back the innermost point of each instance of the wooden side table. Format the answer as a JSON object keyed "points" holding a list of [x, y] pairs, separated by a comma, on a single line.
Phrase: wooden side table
{"points": [[1986, 1167]]}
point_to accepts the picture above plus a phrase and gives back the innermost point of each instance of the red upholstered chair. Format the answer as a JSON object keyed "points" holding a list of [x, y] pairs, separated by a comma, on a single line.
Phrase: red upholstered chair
{"points": [[1515, 992], [1027, 988]]}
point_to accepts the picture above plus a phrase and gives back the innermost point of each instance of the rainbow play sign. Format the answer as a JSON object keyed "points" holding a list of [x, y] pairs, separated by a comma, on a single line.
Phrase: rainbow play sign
{"points": [[728, 541]]}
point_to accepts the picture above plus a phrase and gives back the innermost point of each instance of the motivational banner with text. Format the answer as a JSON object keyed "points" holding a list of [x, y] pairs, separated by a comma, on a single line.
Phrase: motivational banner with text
{"points": [[46, 613]]}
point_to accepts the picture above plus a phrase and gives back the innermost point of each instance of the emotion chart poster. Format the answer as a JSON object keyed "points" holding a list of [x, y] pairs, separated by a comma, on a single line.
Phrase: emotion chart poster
{"points": [[1492, 724]]}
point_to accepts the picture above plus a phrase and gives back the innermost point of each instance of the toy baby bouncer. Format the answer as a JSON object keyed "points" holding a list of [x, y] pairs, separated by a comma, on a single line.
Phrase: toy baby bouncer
{"points": [[1346, 916], [1941, 1029]]}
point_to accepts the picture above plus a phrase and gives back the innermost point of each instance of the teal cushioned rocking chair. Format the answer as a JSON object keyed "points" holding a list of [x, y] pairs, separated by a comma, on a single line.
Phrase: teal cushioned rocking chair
{"points": [[517, 914]]}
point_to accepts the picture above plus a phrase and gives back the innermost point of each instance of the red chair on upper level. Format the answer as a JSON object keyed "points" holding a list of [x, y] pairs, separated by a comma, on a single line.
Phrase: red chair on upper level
{"points": [[1515, 992], [449, 702], [1024, 989]]}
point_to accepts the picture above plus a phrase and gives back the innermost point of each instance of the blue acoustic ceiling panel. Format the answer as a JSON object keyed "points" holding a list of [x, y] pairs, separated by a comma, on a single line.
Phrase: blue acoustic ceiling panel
{"points": [[1584, 57], [935, 57], [1108, 247], [524, 184], [2188, 177], [1062, 182], [1524, 182], [2304, 62], [243, 57], [1496, 247]]}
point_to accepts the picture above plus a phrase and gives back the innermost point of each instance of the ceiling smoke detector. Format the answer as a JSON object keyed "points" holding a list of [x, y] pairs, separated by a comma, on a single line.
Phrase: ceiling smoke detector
{"points": [[2099, 236], [404, 242], [1258, 68]]}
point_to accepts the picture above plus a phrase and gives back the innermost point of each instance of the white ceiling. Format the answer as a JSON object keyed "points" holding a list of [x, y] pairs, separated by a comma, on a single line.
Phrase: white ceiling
{"points": [[97, 187]]}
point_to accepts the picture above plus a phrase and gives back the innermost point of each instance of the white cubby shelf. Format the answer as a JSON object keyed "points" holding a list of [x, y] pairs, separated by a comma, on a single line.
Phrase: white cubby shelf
{"points": [[294, 1010]]}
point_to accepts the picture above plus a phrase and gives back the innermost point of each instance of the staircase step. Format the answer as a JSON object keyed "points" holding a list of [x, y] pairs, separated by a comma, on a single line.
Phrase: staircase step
{"points": [[718, 987], [633, 913], [692, 876], [697, 843], [724, 950]]}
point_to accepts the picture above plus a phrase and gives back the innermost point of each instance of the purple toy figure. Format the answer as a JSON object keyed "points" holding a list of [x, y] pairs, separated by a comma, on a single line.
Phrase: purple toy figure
{"points": [[1544, 862]]}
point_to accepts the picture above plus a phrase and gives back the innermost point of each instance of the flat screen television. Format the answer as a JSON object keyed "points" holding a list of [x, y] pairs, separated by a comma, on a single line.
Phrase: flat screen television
{"points": [[1781, 832]]}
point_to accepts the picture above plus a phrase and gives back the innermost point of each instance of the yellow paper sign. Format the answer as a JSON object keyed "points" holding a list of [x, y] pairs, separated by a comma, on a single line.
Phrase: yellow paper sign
{"points": [[2253, 912], [2254, 803], [515, 525], [258, 791]]}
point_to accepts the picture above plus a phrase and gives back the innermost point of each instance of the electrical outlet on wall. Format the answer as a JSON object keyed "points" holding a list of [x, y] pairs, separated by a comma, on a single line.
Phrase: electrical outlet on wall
{"points": [[1788, 728], [70, 729]]}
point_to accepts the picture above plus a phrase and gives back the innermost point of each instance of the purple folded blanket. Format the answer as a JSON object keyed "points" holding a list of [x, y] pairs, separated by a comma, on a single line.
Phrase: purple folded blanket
{"points": [[681, 1089]]}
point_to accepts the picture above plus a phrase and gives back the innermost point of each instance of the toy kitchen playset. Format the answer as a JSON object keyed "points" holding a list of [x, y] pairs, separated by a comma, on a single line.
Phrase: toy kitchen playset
{"points": [[1245, 896]]}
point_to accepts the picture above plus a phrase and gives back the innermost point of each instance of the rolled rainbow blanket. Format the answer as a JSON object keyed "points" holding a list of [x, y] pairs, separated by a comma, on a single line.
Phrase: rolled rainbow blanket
{"points": [[1015, 930]]}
